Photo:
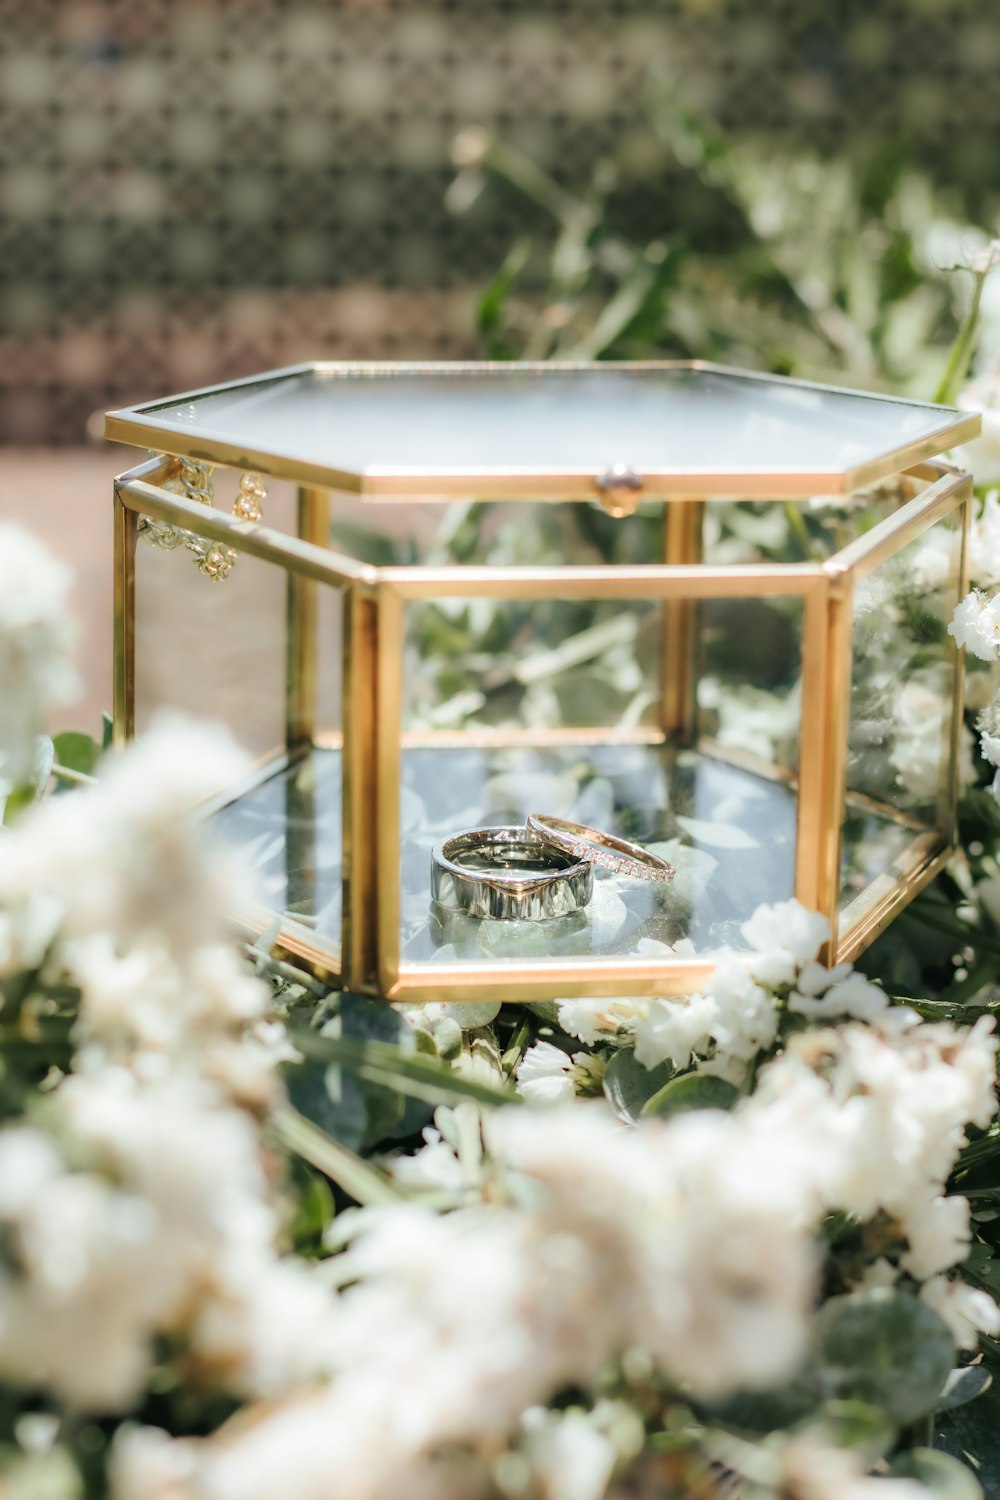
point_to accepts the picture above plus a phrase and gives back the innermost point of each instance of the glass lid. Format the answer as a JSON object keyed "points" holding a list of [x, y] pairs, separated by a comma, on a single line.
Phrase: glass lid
{"points": [[546, 430]]}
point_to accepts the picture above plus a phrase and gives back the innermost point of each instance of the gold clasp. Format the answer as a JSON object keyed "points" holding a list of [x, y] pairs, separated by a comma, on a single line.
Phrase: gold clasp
{"points": [[619, 490]]}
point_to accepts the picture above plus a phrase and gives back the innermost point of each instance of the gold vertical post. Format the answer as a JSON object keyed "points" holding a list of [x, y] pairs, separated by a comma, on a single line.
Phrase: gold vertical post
{"points": [[312, 525], [362, 801], [950, 809], [683, 528], [123, 687], [826, 687], [301, 685], [388, 772]]}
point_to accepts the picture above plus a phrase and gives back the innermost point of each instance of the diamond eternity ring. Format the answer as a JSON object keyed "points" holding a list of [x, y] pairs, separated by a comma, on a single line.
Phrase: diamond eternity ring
{"points": [[602, 849]]}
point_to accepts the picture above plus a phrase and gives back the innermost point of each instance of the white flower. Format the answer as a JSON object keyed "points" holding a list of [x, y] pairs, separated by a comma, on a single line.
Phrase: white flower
{"points": [[884, 1109], [982, 455], [675, 1031], [966, 1310], [984, 543], [36, 643], [545, 1074], [170, 1224], [822, 994], [976, 625], [989, 745], [938, 1233], [785, 936], [595, 1021], [568, 1455]]}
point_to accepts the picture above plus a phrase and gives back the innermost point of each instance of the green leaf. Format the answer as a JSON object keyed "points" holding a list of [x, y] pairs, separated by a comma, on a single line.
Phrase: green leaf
{"points": [[856, 1425], [107, 731], [963, 1385], [691, 1091], [886, 1348], [416, 1075], [945, 1477], [77, 751], [331, 1098], [972, 1433], [313, 1212], [628, 1086]]}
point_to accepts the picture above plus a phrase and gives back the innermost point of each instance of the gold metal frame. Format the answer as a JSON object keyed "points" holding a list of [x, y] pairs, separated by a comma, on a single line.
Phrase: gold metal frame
{"points": [[143, 427], [373, 604]]}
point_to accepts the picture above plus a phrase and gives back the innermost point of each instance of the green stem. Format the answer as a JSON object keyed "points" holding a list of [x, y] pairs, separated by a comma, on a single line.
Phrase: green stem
{"points": [[361, 1181], [66, 773], [518, 1044], [963, 348], [281, 970]]}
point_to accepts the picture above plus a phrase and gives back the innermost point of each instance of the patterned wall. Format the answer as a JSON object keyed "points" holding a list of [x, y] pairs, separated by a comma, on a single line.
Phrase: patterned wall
{"points": [[196, 188]]}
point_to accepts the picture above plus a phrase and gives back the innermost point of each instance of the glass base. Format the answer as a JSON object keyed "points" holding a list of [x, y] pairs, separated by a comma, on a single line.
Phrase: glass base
{"points": [[728, 830]]}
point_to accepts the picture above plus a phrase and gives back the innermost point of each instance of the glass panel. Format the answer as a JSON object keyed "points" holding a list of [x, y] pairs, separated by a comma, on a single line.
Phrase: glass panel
{"points": [[796, 531], [554, 706], [749, 690], [219, 650], [563, 420], [499, 534], [902, 704]]}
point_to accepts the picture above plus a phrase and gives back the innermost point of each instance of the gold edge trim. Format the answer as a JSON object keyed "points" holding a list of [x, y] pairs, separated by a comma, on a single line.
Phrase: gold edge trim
{"points": [[860, 557], [307, 558], [133, 425], [652, 581], [871, 911], [538, 982]]}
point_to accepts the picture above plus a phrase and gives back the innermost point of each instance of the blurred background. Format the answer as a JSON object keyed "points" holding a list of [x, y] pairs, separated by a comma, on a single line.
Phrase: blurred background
{"points": [[192, 190]]}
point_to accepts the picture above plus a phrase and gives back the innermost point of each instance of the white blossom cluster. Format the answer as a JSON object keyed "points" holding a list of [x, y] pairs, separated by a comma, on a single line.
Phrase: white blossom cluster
{"points": [[36, 648], [139, 1204], [692, 1240], [882, 1099]]}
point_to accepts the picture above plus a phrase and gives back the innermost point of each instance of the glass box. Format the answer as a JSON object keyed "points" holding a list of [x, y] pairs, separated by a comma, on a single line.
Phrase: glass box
{"points": [[700, 609]]}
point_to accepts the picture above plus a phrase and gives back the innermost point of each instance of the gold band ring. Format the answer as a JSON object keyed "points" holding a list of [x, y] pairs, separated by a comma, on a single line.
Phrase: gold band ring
{"points": [[601, 849]]}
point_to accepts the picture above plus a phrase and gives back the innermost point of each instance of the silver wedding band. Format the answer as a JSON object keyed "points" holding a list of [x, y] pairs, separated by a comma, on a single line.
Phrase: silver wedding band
{"points": [[508, 874], [602, 849]]}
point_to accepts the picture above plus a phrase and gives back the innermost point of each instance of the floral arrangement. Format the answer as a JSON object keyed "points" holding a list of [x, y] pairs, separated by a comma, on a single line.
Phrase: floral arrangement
{"points": [[259, 1240], [263, 1242]]}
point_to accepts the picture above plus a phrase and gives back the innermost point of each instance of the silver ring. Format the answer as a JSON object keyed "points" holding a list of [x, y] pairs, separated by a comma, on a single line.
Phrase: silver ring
{"points": [[602, 849], [506, 875]]}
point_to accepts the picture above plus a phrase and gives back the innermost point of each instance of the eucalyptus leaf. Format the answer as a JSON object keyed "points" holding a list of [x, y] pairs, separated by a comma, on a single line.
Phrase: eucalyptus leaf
{"points": [[628, 1086], [691, 1091], [77, 751], [857, 1425], [331, 1098], [884, 1347], [964, 1385], [943, 1476]]}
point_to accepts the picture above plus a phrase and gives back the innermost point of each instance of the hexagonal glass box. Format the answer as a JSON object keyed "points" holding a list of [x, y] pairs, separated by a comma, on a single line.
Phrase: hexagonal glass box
{"points": [[701, 609]]}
